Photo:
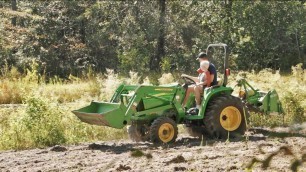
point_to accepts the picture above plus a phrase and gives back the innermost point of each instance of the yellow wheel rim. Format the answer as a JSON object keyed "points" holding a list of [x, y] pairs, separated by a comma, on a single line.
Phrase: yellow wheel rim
{"points": [[166, 132], [230, 118]]}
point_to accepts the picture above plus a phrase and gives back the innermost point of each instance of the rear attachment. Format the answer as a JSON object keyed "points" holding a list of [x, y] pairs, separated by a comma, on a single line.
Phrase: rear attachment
{"points": [[259, 101]]}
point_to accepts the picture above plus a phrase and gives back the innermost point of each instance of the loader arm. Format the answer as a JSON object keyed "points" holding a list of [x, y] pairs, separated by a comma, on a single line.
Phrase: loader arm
{"points": [[150, 101], [143, 103]]}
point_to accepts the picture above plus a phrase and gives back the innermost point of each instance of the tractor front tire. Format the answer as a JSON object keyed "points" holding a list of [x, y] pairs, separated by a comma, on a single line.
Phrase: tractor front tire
{"points": [[225, 117], [138, 133], [163, 130]]}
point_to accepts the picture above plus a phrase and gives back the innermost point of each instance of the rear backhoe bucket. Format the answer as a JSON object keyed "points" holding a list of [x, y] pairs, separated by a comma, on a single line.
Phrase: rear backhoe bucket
{"points": [[103, 114]]}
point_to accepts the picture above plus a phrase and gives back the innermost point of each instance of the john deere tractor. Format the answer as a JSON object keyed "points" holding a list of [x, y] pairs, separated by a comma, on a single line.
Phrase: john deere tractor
{"points": [[153, 112]]}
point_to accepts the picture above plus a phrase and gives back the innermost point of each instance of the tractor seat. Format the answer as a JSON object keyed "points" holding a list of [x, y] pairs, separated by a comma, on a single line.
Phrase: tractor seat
{"points": [[220, 82]]}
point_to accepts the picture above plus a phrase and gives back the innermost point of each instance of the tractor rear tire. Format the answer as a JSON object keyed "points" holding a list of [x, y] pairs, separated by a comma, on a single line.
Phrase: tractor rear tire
{"points": [[225, 117], [138, 133], [163, 130]]}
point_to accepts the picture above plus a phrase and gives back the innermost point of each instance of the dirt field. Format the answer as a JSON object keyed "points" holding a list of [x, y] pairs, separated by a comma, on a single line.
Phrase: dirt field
{"points": [[187, 154]]}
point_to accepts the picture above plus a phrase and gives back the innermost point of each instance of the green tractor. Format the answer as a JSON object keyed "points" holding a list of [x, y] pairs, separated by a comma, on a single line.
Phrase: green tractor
{"points": [[153, 112]]}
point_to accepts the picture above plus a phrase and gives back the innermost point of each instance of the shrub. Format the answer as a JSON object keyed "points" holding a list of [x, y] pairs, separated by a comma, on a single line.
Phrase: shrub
{"points": [[12, 131], [43, 121], [293, 108]]}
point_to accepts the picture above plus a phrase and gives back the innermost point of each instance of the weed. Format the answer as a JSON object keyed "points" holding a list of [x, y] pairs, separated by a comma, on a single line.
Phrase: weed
{"points": [[11, 130], [262, 120], [137, 153], [10, 92], [284, 149], [44, 122], [294, 109], [178, 159]]}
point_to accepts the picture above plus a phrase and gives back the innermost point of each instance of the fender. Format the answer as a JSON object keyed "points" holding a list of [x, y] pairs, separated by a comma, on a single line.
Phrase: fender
{"points": [[209, 94]]}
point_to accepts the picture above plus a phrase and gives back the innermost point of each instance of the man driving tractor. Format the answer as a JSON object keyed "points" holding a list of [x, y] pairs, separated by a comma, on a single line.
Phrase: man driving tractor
{"points": [[207, 77], [212, 69]]}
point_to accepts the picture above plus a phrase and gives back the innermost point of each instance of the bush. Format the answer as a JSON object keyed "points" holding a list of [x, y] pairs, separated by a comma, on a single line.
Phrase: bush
{"points": [[43, 121], [9, 130], [293, 108]]}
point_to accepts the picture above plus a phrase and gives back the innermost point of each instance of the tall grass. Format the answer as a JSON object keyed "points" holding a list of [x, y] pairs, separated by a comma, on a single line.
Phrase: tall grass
{"points": [[45, 117], [291, 89], [45, 123]]}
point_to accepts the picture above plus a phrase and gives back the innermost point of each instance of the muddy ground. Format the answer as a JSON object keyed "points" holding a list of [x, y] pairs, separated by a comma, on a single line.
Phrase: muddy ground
{"points": [[187, 154]]}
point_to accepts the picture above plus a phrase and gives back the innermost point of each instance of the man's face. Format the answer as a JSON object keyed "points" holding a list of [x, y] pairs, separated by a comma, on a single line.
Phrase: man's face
{"points": [[202, 59], [204, 69]]}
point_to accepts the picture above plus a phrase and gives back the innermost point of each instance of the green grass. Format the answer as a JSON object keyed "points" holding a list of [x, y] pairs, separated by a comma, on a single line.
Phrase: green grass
{"points": [[45, 119]]}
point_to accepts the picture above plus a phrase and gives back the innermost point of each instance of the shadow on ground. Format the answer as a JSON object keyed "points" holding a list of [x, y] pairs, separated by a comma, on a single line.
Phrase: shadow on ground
{"points": [[272, 134], [256, 134]]}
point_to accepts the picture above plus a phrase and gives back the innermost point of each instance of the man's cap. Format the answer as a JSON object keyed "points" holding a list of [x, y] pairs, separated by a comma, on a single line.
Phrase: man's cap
{"points": [[201, 55]]}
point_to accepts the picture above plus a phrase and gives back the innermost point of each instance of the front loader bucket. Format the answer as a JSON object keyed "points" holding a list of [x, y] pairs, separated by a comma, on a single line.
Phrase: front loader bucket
{"points": [[103, 114]]}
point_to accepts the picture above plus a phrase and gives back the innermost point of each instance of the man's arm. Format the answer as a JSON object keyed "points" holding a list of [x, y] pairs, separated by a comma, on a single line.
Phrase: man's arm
{"points": [[195, 79], [202, 83]]}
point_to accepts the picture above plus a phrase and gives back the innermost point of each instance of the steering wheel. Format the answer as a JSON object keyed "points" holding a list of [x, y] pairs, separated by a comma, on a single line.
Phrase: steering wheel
{"points": [[188, 81]]}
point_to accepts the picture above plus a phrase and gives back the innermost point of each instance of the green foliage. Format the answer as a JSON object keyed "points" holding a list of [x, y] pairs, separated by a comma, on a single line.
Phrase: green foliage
{"points": [[294, 110], [68, 37], [10, 130], [44, 122], [262, 39]]}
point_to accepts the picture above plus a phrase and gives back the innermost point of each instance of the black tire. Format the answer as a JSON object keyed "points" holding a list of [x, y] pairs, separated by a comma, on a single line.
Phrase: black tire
{"points": [[138, 133], [163, 130], [225, 115]]}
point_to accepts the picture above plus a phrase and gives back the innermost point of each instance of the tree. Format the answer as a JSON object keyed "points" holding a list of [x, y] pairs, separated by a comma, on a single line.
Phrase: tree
{"points": [[68, 37], [14, 8], [160, 51]]}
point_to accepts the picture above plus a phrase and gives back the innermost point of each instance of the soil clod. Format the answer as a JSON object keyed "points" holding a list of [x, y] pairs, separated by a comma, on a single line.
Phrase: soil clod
{"points": [[58, 148]]}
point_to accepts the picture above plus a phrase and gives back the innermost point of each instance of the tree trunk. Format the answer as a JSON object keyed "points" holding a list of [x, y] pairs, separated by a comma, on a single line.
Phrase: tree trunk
{"points": [[14, 8], [228, 8], [160, 51]]}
